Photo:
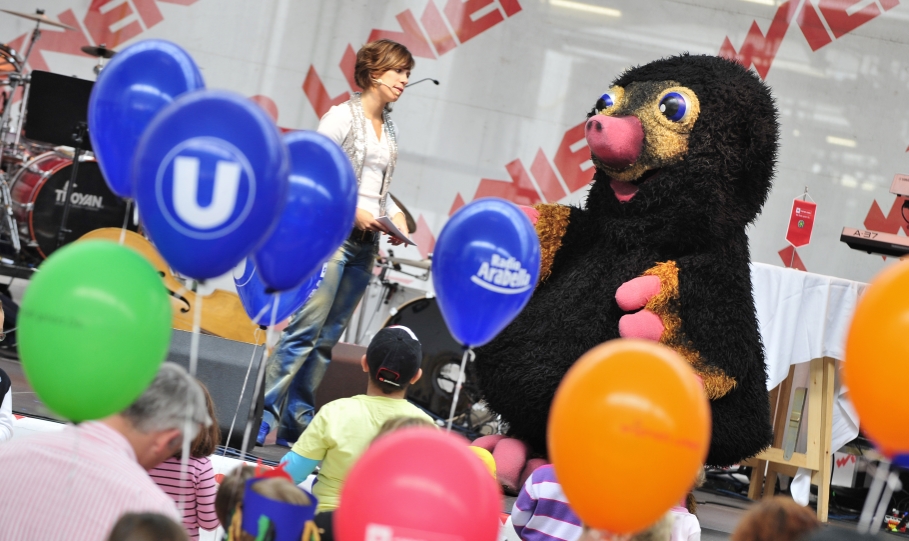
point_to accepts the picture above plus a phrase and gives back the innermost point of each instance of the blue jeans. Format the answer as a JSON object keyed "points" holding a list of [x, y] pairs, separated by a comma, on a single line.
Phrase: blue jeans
{"points": [[295, 368]]}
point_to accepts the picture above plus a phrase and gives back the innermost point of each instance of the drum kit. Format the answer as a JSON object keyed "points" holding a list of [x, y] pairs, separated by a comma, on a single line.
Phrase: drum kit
{"points": [[51, 189]]}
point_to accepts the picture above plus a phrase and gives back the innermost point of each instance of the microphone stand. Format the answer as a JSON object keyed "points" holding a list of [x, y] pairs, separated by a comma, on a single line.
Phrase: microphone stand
{"points": [[79, 135]]}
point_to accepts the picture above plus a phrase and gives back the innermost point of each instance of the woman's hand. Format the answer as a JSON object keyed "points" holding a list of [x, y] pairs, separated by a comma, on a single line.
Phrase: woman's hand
{"points": [[365, 221], [401, 223]]}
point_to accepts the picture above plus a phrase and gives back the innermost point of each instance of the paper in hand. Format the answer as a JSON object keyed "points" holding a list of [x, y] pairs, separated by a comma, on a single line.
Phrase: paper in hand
{"points": [[393, 230]]}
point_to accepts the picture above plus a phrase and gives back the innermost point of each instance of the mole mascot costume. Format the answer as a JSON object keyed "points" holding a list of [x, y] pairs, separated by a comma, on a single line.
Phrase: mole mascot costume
{"points": [[684, 150]]}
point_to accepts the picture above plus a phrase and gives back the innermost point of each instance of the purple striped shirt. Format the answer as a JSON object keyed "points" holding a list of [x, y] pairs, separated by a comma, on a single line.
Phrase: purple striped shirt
{"points": [[541, 512], [195, 494]]}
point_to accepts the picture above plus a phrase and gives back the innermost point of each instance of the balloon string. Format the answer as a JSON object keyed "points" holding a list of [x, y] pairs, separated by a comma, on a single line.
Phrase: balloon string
{"points": [[129, 203], [874, 492], [260, 377], [454, 401], [184, 463], [252, 359], [194, 342]]}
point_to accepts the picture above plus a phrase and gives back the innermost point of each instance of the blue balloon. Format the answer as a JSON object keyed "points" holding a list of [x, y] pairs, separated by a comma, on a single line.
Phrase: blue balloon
{"points": [[259, 302], [485, 267], [211, 181], [134, 86], [318, 215]]}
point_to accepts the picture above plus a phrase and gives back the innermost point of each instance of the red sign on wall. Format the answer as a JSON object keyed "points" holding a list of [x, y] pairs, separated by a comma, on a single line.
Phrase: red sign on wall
{"points": [[801, 222]]}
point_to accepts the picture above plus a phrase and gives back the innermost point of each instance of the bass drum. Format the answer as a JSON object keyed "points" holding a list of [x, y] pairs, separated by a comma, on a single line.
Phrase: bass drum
{"points": [[38, 191], [441, 365]]}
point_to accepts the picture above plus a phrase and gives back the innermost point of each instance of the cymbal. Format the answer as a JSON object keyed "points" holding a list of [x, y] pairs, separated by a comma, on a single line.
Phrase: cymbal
{"points": [[424, 264], [40, 17], [99, 51], [411, 224]]}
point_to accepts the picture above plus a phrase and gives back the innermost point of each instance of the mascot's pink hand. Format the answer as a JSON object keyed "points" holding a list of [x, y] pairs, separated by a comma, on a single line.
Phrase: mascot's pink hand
{"points": [[644, 324], [531, 213], [635, 293]]}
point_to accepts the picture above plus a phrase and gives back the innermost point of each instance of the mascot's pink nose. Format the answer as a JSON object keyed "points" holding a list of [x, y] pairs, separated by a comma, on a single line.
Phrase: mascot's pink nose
{"points": [[615, 140]]}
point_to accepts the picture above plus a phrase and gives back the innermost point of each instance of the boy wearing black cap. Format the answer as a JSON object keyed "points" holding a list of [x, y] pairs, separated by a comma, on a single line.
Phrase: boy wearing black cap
{"points": [[342, 430]]}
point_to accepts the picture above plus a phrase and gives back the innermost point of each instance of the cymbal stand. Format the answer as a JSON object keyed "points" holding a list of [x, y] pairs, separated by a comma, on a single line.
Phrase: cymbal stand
{"points": [[17, 79]]}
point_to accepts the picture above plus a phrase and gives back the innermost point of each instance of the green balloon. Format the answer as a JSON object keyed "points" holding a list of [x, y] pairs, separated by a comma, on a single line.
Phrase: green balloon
{"points": [[94, 327]]}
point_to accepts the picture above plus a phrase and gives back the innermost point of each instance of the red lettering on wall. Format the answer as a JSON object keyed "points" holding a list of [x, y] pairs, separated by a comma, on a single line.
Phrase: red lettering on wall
{"points": [[840, 22], [520, 190], [813, 28], [459, 15], [458, 203], [569, 163], [546, 177], [149, 12], [875, 220], [348, 63], [426, 241], [180, 2], [318, 96], [435, 27], [99, 24], [412, 36], [760, 50], [510, 7]]}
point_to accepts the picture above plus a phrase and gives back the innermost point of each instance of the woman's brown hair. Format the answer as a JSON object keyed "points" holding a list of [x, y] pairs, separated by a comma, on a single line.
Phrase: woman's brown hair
{"points": [[378, 57], [208, 438]]}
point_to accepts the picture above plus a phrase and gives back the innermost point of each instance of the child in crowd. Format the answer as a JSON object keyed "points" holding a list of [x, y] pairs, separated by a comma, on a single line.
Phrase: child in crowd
{"points": [[194, 494], [660, 531], [344, 428], [285, 507], [541, 512], [230, 493], [686, 526], [146, 527], [776, 519]]}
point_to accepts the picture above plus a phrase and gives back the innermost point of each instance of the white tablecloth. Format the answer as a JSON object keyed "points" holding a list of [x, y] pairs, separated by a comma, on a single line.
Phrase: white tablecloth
{"points": [[804, 316]]}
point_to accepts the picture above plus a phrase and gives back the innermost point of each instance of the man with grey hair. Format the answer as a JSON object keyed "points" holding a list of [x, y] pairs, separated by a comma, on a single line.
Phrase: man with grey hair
{"points": [[74, 484]]}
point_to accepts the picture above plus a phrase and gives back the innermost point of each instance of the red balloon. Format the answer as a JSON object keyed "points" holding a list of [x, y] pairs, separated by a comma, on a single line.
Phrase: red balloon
{"points": [[419, 483]]}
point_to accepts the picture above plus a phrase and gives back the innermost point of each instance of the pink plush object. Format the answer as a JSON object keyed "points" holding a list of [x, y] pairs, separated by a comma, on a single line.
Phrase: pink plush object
{"points": [[615, 140], [487, 442], [532, 464], [531, 213], [644, 324], [635, 293], [510, 455]]}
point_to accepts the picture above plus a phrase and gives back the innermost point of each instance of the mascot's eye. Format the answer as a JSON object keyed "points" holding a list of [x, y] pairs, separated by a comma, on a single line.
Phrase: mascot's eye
{"points": [[606, 100], [673, 106]]}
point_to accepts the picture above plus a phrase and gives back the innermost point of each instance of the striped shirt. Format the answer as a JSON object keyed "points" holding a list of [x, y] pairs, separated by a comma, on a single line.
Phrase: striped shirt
{"points": [[541, 512], [73, 484], [195, 494]]}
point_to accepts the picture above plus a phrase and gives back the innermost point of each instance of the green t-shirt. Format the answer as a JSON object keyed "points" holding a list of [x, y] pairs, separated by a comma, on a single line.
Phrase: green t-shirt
{"points": [[340, 433]]}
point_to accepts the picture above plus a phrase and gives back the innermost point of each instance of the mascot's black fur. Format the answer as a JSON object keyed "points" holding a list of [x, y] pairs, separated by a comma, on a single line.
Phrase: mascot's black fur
{"points": [[697, 185]]}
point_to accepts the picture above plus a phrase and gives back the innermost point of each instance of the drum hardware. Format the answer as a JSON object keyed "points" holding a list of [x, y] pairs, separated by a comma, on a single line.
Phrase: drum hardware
{"points": [[39, 17], [79, 135], [102, 52]]}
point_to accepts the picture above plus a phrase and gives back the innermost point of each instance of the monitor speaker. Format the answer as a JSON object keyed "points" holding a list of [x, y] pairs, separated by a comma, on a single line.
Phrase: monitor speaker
{"points": [[222, 367]]}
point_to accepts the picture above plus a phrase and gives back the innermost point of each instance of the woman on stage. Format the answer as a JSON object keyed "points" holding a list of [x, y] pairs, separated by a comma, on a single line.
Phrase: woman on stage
{"points": [[362, 126]]}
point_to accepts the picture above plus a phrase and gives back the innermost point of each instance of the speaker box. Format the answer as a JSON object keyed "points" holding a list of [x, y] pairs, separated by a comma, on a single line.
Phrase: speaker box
{"points": [[222, 367]]}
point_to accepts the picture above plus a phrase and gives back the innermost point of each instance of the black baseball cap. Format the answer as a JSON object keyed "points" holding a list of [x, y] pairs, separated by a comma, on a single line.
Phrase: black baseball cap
{"points": [[394, 356]]}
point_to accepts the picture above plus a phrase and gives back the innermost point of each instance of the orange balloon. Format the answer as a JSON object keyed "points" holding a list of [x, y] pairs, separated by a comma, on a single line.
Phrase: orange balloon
{"points": [[877, 354], [628, 432]]}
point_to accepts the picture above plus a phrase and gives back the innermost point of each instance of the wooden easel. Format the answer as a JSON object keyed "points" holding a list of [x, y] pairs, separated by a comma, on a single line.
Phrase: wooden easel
{"points": [[818, 454]]}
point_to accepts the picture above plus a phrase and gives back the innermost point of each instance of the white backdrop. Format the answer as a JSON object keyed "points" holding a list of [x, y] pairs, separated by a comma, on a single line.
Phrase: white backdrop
{"points": [[518, 75]]}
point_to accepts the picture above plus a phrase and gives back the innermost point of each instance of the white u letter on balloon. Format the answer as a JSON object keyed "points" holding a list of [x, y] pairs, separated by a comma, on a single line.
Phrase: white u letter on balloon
{"points": [[186, 191]]}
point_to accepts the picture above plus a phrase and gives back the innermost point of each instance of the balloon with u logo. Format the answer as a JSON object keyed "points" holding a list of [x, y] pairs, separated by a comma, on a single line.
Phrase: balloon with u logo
{"points": [[485, 268], [134, 86], [211, 181]]}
